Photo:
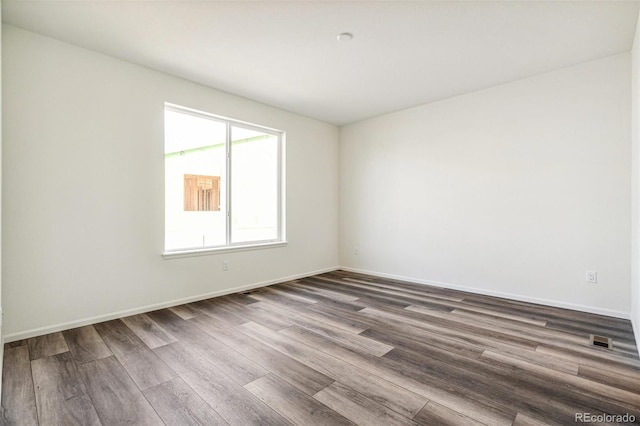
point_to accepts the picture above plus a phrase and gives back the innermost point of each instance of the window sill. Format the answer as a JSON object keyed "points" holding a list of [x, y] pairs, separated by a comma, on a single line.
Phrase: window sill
{"points": [[217, 250]]}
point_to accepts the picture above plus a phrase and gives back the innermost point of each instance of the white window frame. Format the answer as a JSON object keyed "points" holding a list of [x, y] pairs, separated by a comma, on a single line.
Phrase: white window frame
{"points": [[280, 241]]}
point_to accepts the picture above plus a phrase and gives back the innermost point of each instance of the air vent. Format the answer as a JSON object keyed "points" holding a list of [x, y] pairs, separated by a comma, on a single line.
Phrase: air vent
{"points": [[601, 341]]}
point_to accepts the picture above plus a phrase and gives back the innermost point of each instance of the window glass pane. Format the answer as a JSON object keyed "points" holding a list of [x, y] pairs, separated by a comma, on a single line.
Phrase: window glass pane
{"points": [[195, 181], [254, 187]]}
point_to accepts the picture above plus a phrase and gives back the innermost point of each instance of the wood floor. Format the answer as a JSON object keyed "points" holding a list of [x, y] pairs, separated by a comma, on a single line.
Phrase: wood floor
{"points": [[333, 349]]}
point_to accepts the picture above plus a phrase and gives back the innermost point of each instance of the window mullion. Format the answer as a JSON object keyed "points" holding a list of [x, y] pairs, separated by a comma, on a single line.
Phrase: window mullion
{"points": [[228, 184], [280, 195]]}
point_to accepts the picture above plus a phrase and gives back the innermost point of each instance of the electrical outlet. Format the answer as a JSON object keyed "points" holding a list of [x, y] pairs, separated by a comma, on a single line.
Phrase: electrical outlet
{"points": [[355, 251], [592, 277], [226, 265]]}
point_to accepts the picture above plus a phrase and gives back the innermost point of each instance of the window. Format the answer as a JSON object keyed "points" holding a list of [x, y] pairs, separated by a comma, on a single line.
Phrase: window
{"points": [[223, 182]]}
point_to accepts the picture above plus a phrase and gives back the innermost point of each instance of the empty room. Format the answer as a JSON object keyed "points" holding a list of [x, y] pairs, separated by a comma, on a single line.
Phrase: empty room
{"points": [[320, 212]]}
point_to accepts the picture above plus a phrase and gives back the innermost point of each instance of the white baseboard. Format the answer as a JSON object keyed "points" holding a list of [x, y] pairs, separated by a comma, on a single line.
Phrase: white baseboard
{"points": [[518, 297], [148, 308]]}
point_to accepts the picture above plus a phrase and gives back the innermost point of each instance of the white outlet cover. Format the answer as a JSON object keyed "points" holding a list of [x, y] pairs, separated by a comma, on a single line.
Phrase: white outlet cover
{"points": [[592, 277]]}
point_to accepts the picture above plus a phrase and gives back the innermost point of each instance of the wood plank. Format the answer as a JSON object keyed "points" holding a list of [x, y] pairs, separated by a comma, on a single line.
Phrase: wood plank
{"points": [[238, 298], [185, 311], [408, 298], [382, 391], [436, 414], [180, 405], [523, 332], [148, 331], [85, 344], [358, 408], [293, 404], [430, 386], [578, 325], [278, 290], [142, 364], [368, 297], [303, 284], [16, 343], [596, 357], [546, 313], [234, 403], [525, 420], [216, 311], [47, 345], [617, 380], [441, 376], [271, 297], [418, 340], [428, 318], [299, 375], [496, 318], [308, 315], [507, 307], [491, 386], [115, 397], [61, 396], [232, 363], [321, 298], [461, 334], [535, 333], [268, 319], [626, 348], [273, 320], [409, 289], [540, 335], [587, 388], [18, 398], [356, 319], [428, 291], [421, 288], [516, 326], [357, 342], [514, 316]]}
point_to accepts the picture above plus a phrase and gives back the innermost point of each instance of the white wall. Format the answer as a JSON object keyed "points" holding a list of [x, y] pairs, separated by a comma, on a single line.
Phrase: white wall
{"points": [[516, 190], [635, 185], [84, 184]]}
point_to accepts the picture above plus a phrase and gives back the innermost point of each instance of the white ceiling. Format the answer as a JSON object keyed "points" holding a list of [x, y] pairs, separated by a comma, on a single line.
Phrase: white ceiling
{"points": [[286, 54]]}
